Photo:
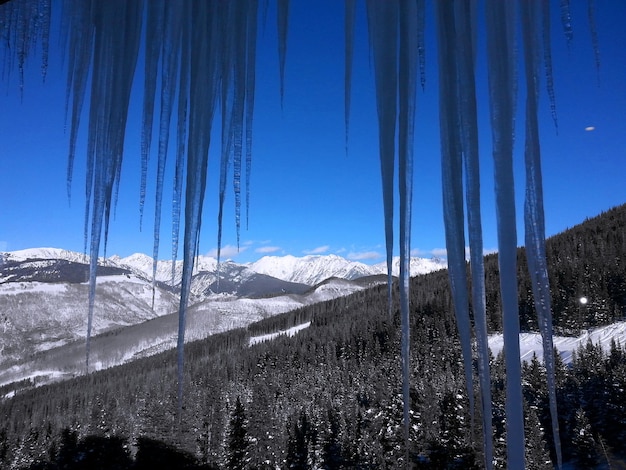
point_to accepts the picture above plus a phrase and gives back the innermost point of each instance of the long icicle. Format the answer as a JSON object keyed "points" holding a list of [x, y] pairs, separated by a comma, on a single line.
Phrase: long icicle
{"points": [[547, 59], [533, 209], [115, 59], [382, 20], [283, 23], [171, 43], [407, 83], [181, 132], [466, 27], [251, 35], [154, 36], [202, 100], [349, 44], [452, 181], [501, 68]]}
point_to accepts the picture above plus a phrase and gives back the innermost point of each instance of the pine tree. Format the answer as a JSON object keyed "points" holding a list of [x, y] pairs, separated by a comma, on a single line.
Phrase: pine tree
{"points": [[298, 443], [238, 438], [537, 457], [332, 452], [585, 446]]}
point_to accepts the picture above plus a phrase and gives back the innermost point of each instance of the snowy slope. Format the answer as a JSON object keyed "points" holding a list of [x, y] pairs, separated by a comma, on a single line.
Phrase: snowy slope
{"points": [[37, 316], [530, 343], [213, 315]]}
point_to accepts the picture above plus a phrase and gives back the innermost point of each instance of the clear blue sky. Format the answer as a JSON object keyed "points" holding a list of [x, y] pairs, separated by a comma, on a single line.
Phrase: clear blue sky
{"points": [[307, 195]]}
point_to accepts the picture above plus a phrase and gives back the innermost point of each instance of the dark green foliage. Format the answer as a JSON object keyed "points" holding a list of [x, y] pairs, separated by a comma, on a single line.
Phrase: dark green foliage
{"points": [[153, 454], [238, 438], [585, 446], [301, 437]]}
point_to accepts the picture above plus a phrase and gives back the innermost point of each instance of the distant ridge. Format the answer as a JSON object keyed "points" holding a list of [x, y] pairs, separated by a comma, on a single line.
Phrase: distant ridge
{"points": [[310, 270]]}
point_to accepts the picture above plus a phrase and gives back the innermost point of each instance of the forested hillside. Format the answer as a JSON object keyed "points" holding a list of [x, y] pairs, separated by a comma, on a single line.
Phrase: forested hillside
{"points": [[588, 260], [330, 397]]}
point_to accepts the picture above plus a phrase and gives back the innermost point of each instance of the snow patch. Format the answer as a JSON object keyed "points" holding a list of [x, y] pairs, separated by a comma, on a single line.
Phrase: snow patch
{"points": [[530, 343], [270, 336]]}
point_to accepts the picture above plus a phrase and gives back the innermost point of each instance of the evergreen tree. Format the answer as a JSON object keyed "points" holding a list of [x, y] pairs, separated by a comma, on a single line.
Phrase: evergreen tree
{"points": [[537, 457], [238, 438], [332, 452], [298, 443], [585, 446]]}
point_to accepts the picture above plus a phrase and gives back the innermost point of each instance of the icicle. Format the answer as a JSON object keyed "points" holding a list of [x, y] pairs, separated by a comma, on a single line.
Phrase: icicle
{"points": [[204, 79], [227, 98], [154, 35], [591, 15], [80, 37], [252, 27], [45, 36], [283, 21], [407, 83], [239, 100], [533, 211], [171, 46], [452, 181], [466, 28], [501, 65], [566, 20], [181, 132], [117, 29], [349, 40], [382, 21], [547, 59], [421, 44]]}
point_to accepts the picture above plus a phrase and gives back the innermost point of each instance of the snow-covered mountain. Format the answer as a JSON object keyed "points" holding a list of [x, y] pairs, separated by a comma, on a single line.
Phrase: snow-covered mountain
{"points": [[313, 269], [309, 270], [44, 301]]}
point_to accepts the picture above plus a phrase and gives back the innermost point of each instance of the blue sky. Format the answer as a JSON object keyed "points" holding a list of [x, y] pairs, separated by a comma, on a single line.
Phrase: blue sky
{"points": [[307, 195]]}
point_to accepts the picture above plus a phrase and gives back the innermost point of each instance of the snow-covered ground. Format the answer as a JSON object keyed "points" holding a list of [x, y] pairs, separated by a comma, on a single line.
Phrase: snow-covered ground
{"points": [[289, 332], [530, 343]]}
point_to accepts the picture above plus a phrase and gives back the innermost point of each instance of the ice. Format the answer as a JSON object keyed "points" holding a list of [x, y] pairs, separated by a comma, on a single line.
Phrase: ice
{"points": [[283, 22], [547, 58], [205, 34], [465, 46], [566, 20], [452, 181], [252, 28], [407, 83], [349, 39], [501, 58], [382, 20], [117, 27], [533, 208], [181, 131], [171, 46], [594, 33], [154, 35]]}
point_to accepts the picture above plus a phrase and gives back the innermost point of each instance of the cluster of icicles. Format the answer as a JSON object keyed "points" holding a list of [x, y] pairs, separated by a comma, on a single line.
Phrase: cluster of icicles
{"points": [[204, 54]]}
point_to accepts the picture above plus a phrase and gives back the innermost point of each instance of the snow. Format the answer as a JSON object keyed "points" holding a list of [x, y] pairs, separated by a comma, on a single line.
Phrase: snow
{"points": [[531, 343], [270, 336], [20, 288], [46, 254], [313, 269]]}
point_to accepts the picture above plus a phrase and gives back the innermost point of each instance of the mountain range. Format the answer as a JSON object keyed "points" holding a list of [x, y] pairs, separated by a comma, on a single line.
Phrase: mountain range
{"points": [[44, 303]]}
